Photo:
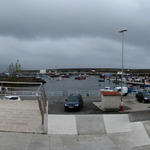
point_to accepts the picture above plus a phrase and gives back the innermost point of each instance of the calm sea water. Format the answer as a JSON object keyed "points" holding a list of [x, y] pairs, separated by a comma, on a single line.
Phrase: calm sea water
{"points": [[67, 84]]}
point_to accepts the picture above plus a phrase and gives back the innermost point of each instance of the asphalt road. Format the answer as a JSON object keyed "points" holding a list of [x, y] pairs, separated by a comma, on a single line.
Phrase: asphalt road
{"points": [[56, 106]]}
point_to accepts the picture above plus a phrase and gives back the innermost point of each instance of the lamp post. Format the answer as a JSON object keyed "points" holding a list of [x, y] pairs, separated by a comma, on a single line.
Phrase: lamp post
{"points": [[122, 32]]}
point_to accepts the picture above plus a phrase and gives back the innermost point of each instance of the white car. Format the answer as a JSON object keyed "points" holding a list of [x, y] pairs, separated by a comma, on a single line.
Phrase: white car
{"points": [[12, 97], [124, 90]]}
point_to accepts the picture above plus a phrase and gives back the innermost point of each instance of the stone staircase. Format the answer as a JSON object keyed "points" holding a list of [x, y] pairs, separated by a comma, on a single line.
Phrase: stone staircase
{"points": [[20, 116]]}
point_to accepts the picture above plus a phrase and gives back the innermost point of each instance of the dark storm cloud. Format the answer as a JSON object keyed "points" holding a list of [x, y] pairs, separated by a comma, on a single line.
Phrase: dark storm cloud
{"points": [[60, 32], [36, 18], [70, 52]]}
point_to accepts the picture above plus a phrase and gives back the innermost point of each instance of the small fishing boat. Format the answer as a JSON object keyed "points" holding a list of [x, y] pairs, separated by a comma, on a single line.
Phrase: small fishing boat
{"points": [[58, 79], [65, 76], [101, 80], [81, 77]]}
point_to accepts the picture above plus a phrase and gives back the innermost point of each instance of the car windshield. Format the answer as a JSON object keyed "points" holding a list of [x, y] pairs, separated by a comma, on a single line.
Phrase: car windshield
{"points": [[14, 98], [11, 98], [146, 94], [73, 99]]}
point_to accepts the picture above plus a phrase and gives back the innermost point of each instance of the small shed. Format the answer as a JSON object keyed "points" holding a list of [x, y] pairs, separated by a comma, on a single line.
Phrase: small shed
{"points": [[110, 100]]}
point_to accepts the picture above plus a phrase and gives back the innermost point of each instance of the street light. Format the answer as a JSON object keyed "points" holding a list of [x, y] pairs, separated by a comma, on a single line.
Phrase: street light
{"points": [[122, 32]]}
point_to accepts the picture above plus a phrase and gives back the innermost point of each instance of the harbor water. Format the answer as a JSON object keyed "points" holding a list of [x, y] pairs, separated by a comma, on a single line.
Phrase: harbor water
{"points": [[66, 86]]}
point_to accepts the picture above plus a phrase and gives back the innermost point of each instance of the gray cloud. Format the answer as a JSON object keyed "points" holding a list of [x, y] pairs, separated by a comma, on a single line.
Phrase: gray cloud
{"points": [[70, 52], [74, 33]]}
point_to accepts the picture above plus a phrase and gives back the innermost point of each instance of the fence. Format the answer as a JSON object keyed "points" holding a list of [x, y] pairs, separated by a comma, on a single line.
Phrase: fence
{"points": [[132, 94], [94, 93], [31, 92], [84, 93], [19, 91]]}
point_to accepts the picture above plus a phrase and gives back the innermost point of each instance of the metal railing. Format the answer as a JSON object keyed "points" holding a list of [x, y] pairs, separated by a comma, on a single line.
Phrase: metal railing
{"points": [[94, 93], [19, 91], [36, 93], [43, 105], [84, 93]]}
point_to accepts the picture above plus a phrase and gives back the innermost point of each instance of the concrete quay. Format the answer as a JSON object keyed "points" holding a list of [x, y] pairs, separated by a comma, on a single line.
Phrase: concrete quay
{"points": [[74, 131], [99, 132]]}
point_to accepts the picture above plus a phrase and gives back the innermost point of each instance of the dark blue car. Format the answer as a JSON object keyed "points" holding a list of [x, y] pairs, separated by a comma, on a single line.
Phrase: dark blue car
{"points": [[73, 102], [143, 97]]}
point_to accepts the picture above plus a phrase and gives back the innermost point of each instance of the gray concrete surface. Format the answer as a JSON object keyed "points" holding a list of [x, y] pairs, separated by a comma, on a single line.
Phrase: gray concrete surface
{"points": [[62, 124], [146, 147], [147, 126], [132, 105], [116, 123], [94, 130], [88, 125], [38, 142], [20, 116], [20, 141], [139, 116], [136, 138]]}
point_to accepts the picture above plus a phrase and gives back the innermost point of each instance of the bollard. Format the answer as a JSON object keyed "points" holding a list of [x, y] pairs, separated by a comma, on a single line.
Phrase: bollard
{"points": [[121, 107]]}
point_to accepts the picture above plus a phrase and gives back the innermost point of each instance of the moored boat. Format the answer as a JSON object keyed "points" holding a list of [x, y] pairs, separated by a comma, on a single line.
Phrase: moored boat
{"points": [[81, 77], [101, 80]]}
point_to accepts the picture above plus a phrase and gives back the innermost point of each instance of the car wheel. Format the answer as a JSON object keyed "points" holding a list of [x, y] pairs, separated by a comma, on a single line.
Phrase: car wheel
{"points": [[125, 94], [143, 101], [66, 109], [78, 109], [138, 99]]}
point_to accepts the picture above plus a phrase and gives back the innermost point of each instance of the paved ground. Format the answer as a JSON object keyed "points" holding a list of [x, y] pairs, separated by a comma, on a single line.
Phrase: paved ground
{"points": [[130, 105], [19, 141], [133, 105], [56, 105], [20, 116], [77, 132], [92, 134], [109, 132]]}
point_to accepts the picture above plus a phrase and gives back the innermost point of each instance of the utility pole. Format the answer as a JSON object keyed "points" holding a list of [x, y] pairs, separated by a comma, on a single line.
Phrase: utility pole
{"points": [[122, 65]]}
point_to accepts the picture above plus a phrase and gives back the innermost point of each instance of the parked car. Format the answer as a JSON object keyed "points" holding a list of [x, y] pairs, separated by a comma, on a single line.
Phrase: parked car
{"points": [[124, 90], [143, 97], [73, 102], [12, 97]]}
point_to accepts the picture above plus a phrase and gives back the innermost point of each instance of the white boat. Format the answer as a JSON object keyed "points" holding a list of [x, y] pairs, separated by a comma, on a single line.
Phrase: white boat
{"points": [[59, 79], [107, 88]]}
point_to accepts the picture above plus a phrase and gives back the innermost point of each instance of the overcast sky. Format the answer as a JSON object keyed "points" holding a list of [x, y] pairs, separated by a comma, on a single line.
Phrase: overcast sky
{"points": [[74, 33]]}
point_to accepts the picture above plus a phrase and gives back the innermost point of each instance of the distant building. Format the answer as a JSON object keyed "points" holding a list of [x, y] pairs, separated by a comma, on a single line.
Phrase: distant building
{"points": [[43, 71]]}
